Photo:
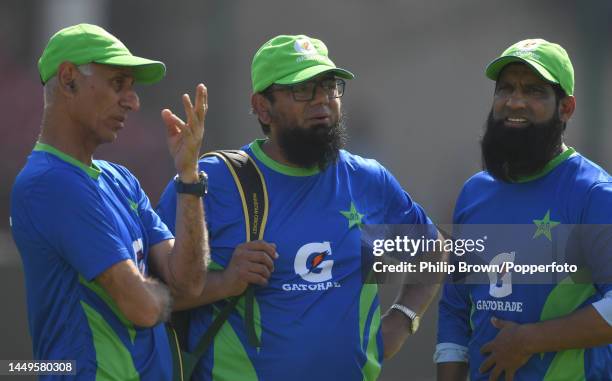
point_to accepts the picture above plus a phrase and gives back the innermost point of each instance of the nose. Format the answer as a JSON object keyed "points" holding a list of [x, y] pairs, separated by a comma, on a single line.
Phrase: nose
{"points": [[516, 100], [320, 95], [130, 100]]}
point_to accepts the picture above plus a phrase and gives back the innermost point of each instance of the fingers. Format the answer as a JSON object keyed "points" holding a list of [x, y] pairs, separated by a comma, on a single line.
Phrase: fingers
{"points": [[486, 348], [266, 247], [487, 364], [201, 101], [173, 123], [257, 274], [509, 375], [195, 114], [495, 373], [171, 119], [189, 111], [257, 262], [243, 269], [263, 259], [253, 262]]}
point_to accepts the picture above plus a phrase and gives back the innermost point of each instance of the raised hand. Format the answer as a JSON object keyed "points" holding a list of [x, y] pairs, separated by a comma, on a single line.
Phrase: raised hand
{"points": [[185, 139]]}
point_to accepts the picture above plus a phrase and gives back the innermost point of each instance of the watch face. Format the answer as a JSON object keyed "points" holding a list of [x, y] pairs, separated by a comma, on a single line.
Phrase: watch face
{"points": [[415, 324]]}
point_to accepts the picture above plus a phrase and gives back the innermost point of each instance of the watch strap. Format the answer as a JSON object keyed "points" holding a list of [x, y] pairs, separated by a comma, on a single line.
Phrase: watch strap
{"points": [[199, 188], [410, 314]]}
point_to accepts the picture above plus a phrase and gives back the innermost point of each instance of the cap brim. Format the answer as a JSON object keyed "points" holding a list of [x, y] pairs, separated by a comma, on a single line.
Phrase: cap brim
{"points": [[495, 67], [313, 71], [145, 70]]}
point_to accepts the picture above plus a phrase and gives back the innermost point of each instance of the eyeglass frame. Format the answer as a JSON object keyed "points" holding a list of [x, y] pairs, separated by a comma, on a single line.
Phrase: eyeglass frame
{"points": [[340, 87]]}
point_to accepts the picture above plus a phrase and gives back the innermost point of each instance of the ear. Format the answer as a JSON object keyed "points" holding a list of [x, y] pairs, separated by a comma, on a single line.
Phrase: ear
{"points": [[261, 107], [67, 74], [567, 106]]}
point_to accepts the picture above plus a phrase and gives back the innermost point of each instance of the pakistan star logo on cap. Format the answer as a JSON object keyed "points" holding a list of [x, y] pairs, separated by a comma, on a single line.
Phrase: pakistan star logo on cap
{"points": [[304, 46]]}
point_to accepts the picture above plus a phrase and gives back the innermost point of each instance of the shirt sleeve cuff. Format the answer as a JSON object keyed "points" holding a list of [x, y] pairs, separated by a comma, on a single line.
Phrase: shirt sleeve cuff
{"points": [[604, 307], [450, 352]]}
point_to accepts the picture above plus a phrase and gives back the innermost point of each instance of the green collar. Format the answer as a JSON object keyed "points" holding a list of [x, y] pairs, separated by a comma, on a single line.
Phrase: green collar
{"points": [[92, 171], [275, 165], [549, 166]]}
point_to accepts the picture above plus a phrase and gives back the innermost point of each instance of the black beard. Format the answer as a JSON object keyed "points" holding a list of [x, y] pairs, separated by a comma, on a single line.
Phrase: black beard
{"points": [[511, 153], [317, 145]]}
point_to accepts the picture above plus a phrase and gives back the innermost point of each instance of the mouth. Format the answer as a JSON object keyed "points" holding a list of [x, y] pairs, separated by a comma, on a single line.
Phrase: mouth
{"points": [[120, 122], [516, 122], [321, 117]]}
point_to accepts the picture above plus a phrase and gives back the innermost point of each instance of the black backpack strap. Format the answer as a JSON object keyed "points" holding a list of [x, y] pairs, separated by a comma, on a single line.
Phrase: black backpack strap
{"points": [[252, 189], [254, 197]]}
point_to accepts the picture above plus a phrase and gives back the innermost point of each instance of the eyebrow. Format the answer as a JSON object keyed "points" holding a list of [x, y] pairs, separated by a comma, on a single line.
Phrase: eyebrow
{"points": [[541, 85], [123, 75], [529, 83], [327, 76]]}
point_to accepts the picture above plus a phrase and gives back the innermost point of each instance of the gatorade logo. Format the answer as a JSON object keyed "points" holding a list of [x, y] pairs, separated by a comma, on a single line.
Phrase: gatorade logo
{"points": [[529, 46], [526, 50], [310, 262], [304, 46], [313, 264], [500, 284]]}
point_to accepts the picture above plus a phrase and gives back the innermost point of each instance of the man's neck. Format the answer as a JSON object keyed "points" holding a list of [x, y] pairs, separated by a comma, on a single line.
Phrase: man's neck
{"points": [[558, 152], [65, 136]]}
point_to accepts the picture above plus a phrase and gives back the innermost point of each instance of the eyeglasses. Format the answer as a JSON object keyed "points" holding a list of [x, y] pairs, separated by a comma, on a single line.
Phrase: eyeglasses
{"points": [[306, 91]]}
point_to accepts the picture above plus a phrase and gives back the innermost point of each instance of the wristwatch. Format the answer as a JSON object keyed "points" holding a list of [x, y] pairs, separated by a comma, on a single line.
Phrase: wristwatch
{"points": [[197, 189], [415, 320]]}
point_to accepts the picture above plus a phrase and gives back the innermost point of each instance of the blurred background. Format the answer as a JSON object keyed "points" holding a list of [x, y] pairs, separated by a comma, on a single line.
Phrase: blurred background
{"points": [[418, 103]]}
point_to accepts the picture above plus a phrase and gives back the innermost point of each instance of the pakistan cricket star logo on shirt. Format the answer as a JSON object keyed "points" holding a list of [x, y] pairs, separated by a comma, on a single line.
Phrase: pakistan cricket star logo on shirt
{"points": [[353, 216], [545, 225]]}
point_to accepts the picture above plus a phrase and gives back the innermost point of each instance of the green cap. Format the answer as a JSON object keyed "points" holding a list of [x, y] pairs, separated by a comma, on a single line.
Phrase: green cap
{"points": [[85, 43], [287, 60], [549, 60]]}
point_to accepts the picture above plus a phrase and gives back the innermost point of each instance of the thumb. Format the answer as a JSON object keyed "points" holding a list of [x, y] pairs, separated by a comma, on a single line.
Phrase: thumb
{"points": [[173, 123]]}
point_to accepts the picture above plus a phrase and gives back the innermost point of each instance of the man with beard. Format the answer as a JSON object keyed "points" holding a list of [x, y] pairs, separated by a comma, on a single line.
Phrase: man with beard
{"points": [[531, 331], [316, 319]]}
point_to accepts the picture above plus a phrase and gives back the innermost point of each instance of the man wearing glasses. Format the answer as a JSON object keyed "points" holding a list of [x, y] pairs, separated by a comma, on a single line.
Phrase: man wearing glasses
{"points": [[314, 316]]}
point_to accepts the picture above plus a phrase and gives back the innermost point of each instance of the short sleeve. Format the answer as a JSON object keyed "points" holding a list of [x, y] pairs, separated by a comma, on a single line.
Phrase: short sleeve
{"points": [[598, 207], [453, 315], [596, 235], [401, 209], [66, 211], [156, 230]]}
